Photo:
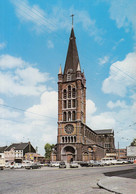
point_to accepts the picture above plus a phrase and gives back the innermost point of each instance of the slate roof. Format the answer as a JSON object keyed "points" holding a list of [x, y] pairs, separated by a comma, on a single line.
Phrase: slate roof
{"points": [[2, 149], [104, 131], [72, 58], [17, 146]]}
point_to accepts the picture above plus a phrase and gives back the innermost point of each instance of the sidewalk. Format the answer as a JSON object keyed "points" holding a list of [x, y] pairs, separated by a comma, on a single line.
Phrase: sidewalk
{"points": [[118, 185]]}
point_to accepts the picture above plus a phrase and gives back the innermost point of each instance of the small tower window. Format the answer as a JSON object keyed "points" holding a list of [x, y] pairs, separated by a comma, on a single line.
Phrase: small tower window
{"points": [[73, 103], [64, 116], [69, 103], [64, 94], [73, 92], [69, 116], [68, 76], [73, 115], [69, 91], [64, 104]]}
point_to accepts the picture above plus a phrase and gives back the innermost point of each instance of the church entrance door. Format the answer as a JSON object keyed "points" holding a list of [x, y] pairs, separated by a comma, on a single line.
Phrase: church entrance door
{"points": [[68, 154]]}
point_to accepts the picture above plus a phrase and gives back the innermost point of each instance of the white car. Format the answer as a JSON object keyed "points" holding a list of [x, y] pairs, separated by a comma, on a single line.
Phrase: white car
{"points": [[18, 166], [54, 164], [74, 165], [107, 161]]}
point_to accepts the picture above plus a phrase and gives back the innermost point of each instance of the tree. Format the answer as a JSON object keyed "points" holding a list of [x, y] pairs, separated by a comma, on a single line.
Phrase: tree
{"points": [[133, 143], [48, 148]]}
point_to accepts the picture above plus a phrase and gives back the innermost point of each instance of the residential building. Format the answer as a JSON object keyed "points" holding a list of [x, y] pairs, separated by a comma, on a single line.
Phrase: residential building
{"points": [[16, 151]]}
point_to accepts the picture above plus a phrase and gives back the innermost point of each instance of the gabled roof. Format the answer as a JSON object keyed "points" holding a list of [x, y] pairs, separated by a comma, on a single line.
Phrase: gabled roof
{"points": [[17, 146], [104, 131], [72, 58], [2, 149]]}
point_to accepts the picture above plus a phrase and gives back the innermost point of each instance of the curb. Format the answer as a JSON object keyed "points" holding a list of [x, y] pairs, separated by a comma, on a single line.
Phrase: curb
{"points": [[102, 187]]}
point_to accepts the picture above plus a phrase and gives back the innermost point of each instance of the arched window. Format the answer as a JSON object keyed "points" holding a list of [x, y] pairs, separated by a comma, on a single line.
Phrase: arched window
{"points": [[73, 103], [69, 116], [69, 103], [64, 104], [69, 91], [71, 139], [74, 138], [73, 92], [64, 116], [64, 94], [73, 115], [68, 76], [68, 139], [65, 139], [62, 139]]}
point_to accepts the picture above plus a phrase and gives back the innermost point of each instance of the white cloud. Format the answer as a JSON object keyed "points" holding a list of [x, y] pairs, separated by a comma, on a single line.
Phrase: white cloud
{"points": [[48, 106], [50, 44], [9, 62], [1, 101], [21, 78], [122, 76], [2, 45], [118, 103], [103, 60], [102, 121], [90, 107], [57, 19], [37, 124], [124, 13]]}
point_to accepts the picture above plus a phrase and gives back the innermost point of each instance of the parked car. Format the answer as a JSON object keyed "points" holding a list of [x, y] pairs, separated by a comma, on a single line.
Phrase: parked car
{"points": [[121, 161], [74, 165], [62, 165], [33, 166], [85, 164], [97, 163], [107, 161], [54, 164], [17, 166], [2, 163]]}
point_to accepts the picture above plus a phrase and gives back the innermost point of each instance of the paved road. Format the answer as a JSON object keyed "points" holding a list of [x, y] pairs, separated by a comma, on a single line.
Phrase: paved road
{"points": [[55, 181]]}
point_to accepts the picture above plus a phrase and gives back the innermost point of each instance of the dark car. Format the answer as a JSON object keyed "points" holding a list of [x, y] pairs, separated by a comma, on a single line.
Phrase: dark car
{"points": [[62, 165], [86, 164], [33, 166]]}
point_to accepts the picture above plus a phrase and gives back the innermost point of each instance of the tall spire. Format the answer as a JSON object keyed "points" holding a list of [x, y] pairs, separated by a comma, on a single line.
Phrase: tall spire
{"points": [[72, 58], [60, 70]]}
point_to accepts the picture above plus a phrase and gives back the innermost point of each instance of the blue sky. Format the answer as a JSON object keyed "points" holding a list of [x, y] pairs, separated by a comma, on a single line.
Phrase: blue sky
{"points": [[34, 38]]}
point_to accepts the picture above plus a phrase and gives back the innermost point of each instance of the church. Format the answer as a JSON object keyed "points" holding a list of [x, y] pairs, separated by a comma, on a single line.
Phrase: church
{"points": [[75, 140]]}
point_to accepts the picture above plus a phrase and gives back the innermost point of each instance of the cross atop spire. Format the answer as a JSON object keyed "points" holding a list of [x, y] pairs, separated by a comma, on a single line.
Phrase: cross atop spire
{"points": [[72, 19]]}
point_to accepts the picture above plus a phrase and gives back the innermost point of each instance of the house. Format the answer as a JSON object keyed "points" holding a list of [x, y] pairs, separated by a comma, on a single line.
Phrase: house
{"points": [[131, 153], [16, 151]]}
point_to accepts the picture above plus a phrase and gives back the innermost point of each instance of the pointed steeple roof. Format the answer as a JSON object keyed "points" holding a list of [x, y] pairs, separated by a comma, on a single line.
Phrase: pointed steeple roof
{"points": [[78, 67], [72, 58], [60, 70]]}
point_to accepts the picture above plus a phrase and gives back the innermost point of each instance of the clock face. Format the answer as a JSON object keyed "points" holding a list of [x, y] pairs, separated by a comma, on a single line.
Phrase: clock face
{"points": [[69, 129]]}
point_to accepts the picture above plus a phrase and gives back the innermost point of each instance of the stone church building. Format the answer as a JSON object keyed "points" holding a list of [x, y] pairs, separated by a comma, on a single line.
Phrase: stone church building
{"points": [[76, 141]]}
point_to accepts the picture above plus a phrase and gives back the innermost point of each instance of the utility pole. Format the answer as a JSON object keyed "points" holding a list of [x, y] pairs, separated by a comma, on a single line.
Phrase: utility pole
{"points": [[118, 151]]}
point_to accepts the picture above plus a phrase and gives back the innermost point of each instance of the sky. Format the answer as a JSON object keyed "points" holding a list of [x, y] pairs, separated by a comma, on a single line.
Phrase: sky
{"points": [[34, 37]]}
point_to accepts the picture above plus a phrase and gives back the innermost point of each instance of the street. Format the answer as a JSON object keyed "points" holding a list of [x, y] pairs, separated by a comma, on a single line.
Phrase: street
{"points": [[55, 180]]}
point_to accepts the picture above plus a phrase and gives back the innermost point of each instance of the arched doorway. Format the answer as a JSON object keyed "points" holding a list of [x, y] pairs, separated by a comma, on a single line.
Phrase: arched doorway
{"points": [[68, 154]]}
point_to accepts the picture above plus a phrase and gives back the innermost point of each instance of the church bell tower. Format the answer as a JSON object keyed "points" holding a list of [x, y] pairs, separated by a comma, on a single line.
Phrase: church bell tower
{"points": [[71, 106]]}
